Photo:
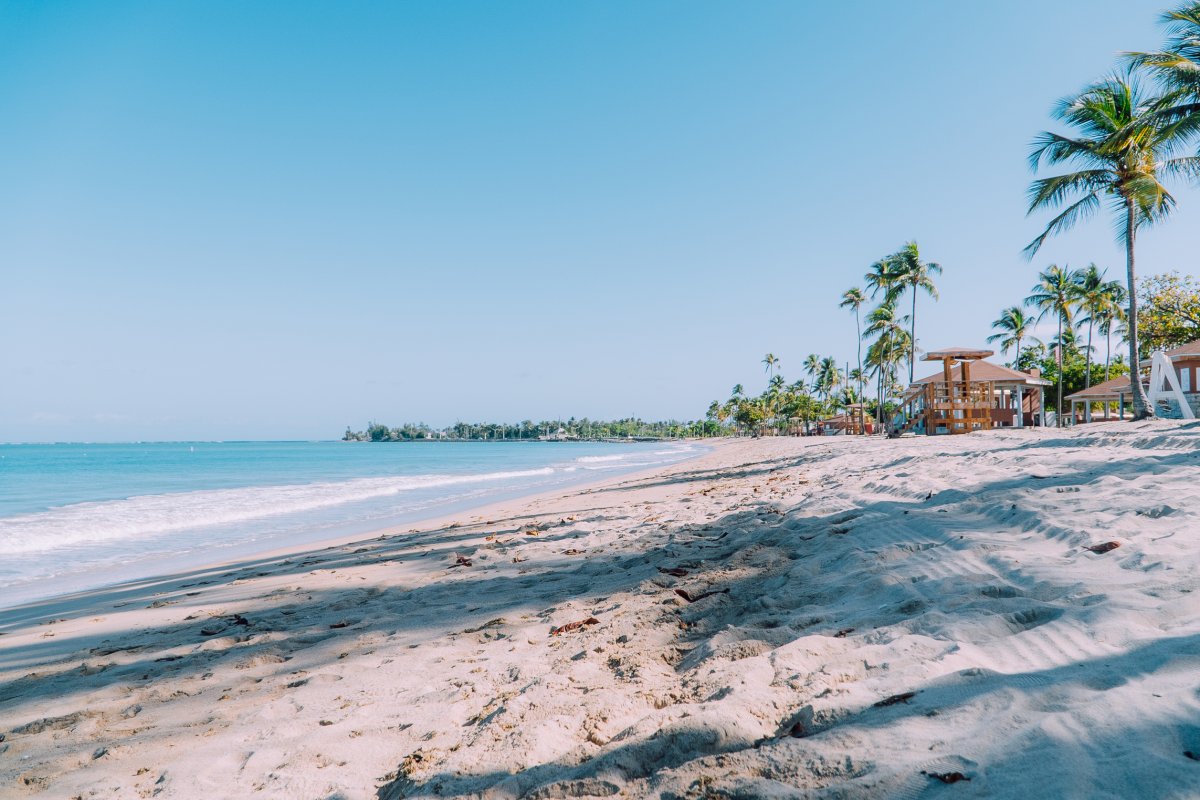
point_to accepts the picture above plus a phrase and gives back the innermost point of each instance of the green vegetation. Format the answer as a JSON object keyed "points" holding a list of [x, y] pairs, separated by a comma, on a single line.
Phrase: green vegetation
{"points": [[1168, 310], [555, 430], [1127, 143]]}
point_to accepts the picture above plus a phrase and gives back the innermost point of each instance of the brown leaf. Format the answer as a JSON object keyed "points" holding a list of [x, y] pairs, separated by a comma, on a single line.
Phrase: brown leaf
{"points": [[843, 632], [1104, 547], [676, 571], [904, 697], [461, 561], [570, 626], [947, 777], [341, 624]]}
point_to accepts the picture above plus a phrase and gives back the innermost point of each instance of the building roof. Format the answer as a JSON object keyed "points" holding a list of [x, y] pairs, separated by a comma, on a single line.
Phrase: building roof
{"points": [[969, 353], [987, 371], [1108, 390], [1184, 351]]}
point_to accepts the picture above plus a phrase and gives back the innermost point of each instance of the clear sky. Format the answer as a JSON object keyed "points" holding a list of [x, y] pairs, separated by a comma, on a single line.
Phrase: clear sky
{"points": [[274, 219]]}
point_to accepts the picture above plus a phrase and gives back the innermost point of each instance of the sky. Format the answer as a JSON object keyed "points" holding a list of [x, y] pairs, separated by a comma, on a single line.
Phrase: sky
{"points": [[227, 220]]}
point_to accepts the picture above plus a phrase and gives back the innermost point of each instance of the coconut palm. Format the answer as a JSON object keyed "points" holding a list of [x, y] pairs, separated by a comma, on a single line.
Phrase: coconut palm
{"points": [[1127, 146], [883, 277], [1110, 318], [771, 363], [829, 377], [1098, 300], [914, 274], [811, 364], [1056, 294], [1014, 327], [854, 298], [891, 343]]}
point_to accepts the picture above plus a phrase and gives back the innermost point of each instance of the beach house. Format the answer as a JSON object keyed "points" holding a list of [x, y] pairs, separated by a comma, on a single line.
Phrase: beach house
{"points": [[1184, 360], [971, 394]]}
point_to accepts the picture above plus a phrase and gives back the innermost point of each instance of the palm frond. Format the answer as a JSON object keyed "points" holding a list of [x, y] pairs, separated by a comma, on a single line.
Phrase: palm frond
{"points": [[1074, 213]]}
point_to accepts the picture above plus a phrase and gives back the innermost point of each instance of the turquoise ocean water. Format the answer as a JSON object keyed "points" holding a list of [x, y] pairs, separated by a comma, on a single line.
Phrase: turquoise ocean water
{"points": [[78, 516]]}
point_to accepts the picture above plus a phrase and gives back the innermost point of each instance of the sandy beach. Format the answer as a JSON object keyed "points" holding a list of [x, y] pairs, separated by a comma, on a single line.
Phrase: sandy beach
{"points": [[824, 617]]}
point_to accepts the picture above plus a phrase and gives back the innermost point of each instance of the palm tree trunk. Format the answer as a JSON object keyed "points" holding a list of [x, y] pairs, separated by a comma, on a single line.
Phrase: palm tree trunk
{"points": [[912, 336], [1141, 405], [1087, 379], [861, 398], [1107, 349], [1058, 408]]}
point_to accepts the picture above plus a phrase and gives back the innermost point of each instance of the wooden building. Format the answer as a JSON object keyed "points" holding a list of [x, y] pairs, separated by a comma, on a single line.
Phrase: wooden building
{"points": [[1117, 391], [971, 394]]}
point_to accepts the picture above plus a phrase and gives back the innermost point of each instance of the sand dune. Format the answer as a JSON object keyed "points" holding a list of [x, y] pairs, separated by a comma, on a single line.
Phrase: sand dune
{"points": [[778, 618]]}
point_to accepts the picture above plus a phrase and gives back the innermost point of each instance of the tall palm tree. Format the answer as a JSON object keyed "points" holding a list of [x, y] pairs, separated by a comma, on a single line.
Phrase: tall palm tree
{"points": [[891, 342], [771, 363], [854, 298], [1056, 293], [1127, 144], [1095, 295], [1108, 317], [1014, 327], [811, 364], [914, 274], [829, 377]]}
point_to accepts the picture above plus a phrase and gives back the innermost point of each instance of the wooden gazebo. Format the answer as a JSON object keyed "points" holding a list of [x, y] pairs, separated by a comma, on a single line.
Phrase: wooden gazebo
{"points": [[951, 406]]}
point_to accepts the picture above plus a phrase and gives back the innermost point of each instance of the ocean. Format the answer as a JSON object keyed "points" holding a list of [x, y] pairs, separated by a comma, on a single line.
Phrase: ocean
{"points": [[80, 516]]}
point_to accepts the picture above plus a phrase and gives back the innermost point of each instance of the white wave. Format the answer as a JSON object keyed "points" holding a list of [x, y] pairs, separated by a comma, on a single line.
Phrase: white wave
{"points": [[597, 459], [149, 515]]}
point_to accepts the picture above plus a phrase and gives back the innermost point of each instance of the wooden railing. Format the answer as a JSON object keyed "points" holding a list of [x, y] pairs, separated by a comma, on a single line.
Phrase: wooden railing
{"points": [[956, 407]]}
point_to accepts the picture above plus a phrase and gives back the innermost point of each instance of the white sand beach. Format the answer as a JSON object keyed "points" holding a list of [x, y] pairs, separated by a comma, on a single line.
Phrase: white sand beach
{"points": [[823, 617]]}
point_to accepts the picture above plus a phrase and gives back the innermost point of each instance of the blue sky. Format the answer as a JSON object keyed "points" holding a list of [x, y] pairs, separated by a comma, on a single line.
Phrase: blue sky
{"points": [[271, 220]]}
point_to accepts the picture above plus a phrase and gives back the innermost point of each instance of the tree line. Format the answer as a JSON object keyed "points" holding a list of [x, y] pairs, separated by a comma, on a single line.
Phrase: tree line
{"points": [[527, 430]]}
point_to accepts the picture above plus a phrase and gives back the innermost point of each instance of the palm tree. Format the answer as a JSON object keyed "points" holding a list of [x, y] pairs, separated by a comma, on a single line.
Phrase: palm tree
{"points": [[891, 342], [1014, 327], [829, 377], [1127, 145], [914, 274], [1096, 300], [854, 298], [1055, 293], [1110, 316], [771, 363], [883, 277], [811, 365]]}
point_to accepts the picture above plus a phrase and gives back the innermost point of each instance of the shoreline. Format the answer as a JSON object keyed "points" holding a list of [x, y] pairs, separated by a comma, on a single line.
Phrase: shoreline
{"points": [[166, 564], [67, 602], [819, 617]]}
